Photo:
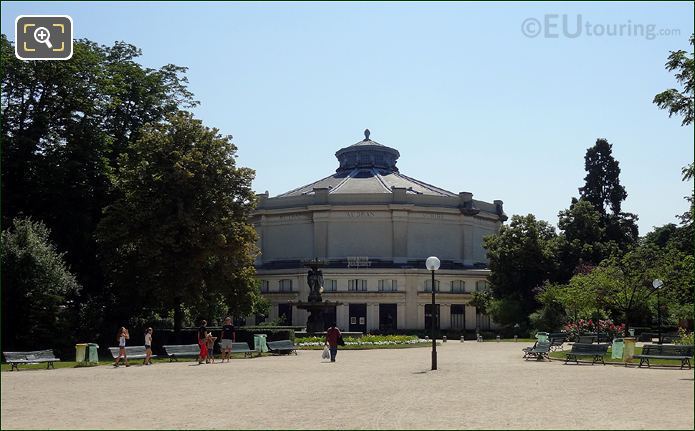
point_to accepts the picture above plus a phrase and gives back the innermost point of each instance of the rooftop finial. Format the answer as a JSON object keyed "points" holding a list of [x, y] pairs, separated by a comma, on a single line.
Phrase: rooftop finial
{"points": [[366, 134]]}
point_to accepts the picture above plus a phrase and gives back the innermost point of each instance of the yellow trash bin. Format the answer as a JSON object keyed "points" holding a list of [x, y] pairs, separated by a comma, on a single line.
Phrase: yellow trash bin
{"points": [[80, 352], [629, 349]]}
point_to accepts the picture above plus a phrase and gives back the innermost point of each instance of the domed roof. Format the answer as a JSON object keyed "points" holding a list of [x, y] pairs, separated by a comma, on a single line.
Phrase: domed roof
{"points": [[368, 167]]}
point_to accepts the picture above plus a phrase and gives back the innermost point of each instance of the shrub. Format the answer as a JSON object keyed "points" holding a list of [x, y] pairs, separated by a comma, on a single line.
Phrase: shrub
{"points": [[685, 337]]}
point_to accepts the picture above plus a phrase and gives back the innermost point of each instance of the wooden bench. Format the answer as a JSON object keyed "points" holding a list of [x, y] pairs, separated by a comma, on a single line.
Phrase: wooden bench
{"points": [[681, 353], [596, 351], [243, 348], [281, 347], [132, 352], [175, 351], [33, 357]]}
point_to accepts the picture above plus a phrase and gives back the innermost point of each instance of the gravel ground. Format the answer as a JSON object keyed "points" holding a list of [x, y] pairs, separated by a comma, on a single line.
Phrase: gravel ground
{"points": [[478, 385]]}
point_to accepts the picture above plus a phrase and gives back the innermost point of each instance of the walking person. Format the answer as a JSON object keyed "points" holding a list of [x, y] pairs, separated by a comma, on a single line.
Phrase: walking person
{"points": [[227, 337], [148, 347], [202, 342], [210, 343], [332, 336], [122, 336]]}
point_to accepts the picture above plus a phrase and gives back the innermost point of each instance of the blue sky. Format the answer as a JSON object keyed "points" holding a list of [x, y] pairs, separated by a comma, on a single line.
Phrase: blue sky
{"points": [[469, 100]]}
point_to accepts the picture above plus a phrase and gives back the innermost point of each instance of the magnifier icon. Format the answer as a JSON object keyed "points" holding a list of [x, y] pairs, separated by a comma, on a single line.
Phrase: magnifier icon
{"points": [[42, 35]]}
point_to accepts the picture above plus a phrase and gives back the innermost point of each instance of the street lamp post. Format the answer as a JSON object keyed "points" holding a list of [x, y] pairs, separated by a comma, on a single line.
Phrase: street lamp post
{"points": [[432, 264], [658, 284]]}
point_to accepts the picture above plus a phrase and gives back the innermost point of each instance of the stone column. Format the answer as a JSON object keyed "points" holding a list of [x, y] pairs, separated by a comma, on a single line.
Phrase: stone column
{"points": [[372, 316], [320, 234], [470, 318], [420, 316], [273, 315], [445, 316], [342, 315], [400, 316]]}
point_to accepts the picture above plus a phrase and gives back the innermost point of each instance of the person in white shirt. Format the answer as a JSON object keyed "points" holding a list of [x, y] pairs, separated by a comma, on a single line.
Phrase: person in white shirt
{"points": [[148, 347], [122, 336]]}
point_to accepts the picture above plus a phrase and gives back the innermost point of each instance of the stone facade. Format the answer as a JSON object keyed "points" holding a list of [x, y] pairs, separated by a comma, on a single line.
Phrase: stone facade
{"points": [[374, 227]]}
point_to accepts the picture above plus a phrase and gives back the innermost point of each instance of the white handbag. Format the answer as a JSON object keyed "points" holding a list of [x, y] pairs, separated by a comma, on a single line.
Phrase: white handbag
{"points": [[326, 353]]}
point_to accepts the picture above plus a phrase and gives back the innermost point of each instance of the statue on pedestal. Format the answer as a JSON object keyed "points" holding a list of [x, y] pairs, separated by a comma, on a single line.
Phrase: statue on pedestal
{"points": [[315, 281]]}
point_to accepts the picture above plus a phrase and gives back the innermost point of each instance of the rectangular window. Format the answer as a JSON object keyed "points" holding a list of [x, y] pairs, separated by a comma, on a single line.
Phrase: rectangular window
{"points": [[286, 285], [357, 285], [483, 321], [265, 286], [458, 286], [428, 285], [388, 285], [481, 285], [458, 316], [330, 285]]}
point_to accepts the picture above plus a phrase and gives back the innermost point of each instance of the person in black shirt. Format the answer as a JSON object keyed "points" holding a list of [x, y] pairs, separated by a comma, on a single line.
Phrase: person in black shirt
{"points": [[202, 335], [227, 338]]}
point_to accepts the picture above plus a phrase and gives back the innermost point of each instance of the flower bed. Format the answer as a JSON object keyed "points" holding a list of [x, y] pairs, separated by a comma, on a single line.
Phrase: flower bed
{"points": [[367, 340], [581, 327]]}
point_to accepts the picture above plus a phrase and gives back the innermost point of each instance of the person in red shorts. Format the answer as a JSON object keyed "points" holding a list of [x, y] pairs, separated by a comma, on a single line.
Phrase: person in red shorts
{"points": [[202, 338], [332, 336]]}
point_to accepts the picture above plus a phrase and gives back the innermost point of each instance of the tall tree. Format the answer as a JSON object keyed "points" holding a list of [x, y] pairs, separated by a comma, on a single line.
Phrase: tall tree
{"points": [[64, 124], [603, 190], [180, 231], [680, 102], [602, 181], [38, 288]]}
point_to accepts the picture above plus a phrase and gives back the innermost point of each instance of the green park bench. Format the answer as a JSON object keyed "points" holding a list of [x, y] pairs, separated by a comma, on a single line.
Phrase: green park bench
{"points": [[681, 353], [33, 357], [132, 352], [282, 347], [596, 351], [175, 351]]}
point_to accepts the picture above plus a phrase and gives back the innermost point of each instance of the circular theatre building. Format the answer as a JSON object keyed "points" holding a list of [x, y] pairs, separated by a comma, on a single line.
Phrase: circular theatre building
{"points": [[374, 227]]}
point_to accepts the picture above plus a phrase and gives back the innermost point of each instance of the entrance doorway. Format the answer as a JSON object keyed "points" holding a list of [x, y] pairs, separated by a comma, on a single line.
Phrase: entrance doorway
{"points": [[329, 316], [387, 317], [358, 317], [428, 317], [285, 314]]}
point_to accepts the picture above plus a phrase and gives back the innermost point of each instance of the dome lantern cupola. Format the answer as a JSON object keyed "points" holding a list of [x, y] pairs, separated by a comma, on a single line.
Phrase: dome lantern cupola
{"points": [[367, 154]]}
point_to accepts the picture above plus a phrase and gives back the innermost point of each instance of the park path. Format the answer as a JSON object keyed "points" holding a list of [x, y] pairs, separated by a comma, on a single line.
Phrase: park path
{"points": [[478, 385]]}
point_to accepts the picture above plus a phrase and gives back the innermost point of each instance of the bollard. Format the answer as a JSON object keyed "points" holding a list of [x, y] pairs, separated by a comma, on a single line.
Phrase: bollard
{"points": [[444, 339], [498, 338], [462, 338], [515, 338]]}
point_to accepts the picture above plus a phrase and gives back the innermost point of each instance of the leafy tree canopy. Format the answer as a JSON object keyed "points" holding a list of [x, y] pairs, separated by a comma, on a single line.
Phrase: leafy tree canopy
{"points": [[180, 231], [37, 287], [680, 102]]}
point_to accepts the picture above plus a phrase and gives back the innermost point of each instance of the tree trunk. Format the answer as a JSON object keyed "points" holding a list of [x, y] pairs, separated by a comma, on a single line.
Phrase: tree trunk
{"points": [[178, 318]]}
